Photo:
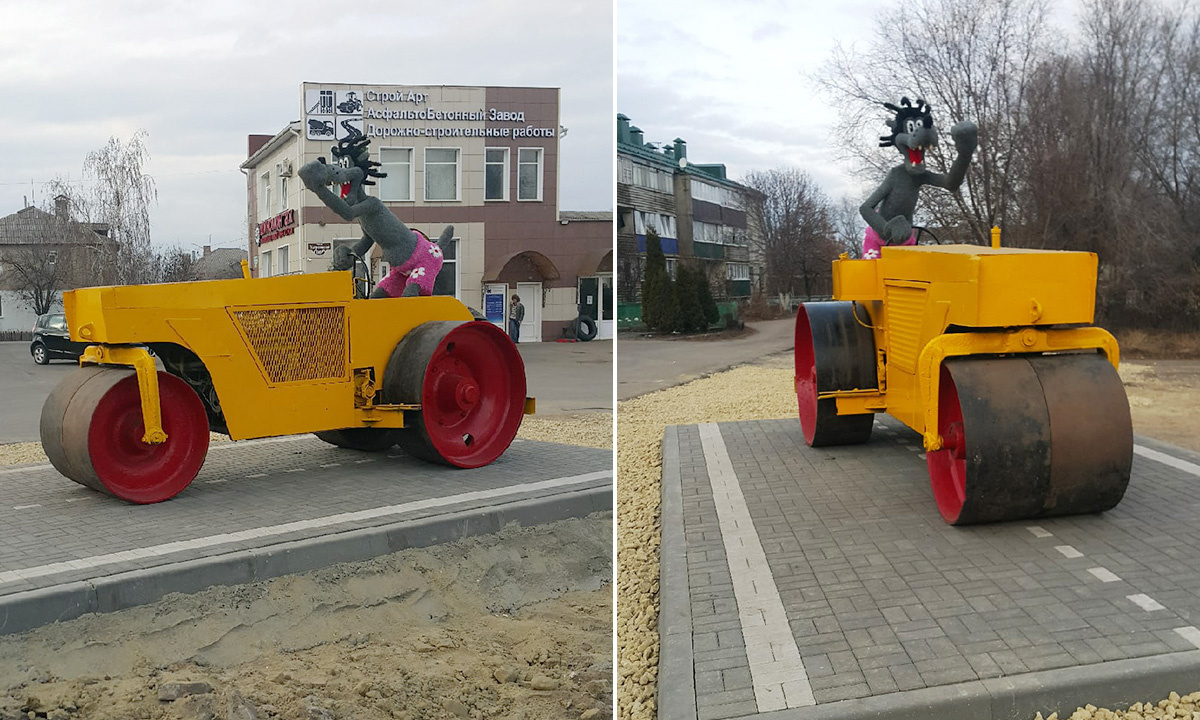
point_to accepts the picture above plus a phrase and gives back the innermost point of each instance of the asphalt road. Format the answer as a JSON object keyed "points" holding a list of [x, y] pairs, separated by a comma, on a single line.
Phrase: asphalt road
{"points": [[565, 378], [654, 363]]}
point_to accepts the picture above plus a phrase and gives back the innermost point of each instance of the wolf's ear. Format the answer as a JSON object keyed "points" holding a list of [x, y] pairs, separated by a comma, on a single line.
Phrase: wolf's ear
{"points": [[447, 235]]}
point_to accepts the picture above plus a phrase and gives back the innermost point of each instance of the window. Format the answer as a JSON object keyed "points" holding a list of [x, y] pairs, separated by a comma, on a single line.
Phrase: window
{"points": [[671, 262], [264, 200], [447, 280], [281, 260], [397, 163], [529, 173], [496, 174], [737, 271], [648, 177], [441, 174], [283, 195], [662, 224], [726, 197], [264, 269]]}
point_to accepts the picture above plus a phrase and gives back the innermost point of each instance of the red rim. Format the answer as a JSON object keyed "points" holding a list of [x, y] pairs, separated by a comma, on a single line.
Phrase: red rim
{"points": [[133, 470], [473, 395], [806, 376], [948, 466]]}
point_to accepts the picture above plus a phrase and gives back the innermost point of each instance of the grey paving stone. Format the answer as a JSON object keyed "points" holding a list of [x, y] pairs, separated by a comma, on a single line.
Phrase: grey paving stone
{"points": [[883, 597]]}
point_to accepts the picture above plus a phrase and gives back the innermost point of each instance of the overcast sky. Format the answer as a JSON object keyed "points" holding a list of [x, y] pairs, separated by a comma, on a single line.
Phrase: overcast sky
{"points": [[733, 80], [201, 76]]}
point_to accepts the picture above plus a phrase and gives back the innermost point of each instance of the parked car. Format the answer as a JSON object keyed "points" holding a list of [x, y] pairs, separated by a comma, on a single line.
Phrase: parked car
{"points": [[51, 340]]}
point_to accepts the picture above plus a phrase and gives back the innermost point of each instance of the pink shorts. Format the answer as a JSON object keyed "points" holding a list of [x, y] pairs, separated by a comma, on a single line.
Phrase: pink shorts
{"points": [[421, 269], [872, 242]]}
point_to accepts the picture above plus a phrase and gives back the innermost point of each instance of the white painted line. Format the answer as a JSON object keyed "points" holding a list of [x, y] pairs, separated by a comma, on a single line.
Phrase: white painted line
{"points": [[214, 446], [922, 456], [914, 448], [26, 507], [257, 475], [1189, 633], [776, 670], [1166, 459], [1104, 574], [329, 465], [1068, 551], [216, 482], [321, 522], [296, 470], [360, 462], [1039, 531], [25, 468], [1145, 602]]}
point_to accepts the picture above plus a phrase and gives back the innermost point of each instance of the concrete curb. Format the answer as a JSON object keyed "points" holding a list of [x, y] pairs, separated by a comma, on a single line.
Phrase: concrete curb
{"points": [[676, 678], [1115, 685], [24, 611]]}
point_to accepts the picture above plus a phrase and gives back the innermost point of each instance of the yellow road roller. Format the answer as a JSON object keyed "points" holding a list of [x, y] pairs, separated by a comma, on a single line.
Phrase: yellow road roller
{"points": [[990, 354], [255, 358]]}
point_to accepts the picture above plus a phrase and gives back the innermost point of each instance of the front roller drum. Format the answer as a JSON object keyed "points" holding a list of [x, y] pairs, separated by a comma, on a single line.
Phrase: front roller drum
{"points": [[91, 430], [834, 351], [1027, 437], [470, 382]]}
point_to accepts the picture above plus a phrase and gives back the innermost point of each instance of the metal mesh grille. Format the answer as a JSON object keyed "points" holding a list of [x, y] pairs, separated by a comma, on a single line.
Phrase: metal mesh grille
{"points": [[297, 343], [906, 312]]}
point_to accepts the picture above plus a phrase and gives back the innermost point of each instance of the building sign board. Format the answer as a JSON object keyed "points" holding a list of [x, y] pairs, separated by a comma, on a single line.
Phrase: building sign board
{"points": [[274, 228], [394, 111], [319, 250]]}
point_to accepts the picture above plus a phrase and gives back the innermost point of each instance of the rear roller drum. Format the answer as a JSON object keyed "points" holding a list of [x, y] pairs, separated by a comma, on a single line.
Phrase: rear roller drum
{"points": [[365, 439], [92, 430], [1030, 437], [470, 382], [834, 351]]}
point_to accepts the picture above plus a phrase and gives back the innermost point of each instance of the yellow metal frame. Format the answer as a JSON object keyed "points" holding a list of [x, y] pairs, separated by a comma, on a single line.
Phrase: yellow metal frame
{"points": [[1023, 340], [1007, 300], [147, 376]]}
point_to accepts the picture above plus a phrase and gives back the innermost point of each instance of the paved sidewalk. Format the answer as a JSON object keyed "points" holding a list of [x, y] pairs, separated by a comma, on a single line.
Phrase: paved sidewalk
{"points": [[264, 508], [822, 583]]}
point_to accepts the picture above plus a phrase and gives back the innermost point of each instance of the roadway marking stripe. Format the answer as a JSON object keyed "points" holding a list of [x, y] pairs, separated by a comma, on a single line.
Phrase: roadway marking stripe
{"points": [[1190, 633], [214, 446], [1145, 602], [314, 524], [776, 670], [1068, 551], [1039, 531], [1104, 574], [1166, 459]]}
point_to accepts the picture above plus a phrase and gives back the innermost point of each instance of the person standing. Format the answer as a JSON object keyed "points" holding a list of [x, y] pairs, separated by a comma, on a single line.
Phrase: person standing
{"points": [[516, 313]]}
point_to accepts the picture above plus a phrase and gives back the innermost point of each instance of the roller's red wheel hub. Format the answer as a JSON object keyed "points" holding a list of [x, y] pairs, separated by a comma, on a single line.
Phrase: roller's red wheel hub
{"points": [[133, 470], [948, 466], [806, 376], [472, 394]]}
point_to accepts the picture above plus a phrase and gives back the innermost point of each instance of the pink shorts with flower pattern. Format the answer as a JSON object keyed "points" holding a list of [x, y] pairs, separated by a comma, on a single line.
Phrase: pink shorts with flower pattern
{"points": [[872, 242], [421, 269]]}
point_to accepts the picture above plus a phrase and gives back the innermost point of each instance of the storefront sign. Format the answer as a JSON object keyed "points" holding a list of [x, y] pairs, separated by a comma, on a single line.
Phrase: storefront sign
{"points": [[274, 228], [337, 114]]}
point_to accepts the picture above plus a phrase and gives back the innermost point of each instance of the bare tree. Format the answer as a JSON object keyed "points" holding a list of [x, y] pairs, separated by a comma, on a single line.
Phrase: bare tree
{"points": [[121, 196], [797, 232]]}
